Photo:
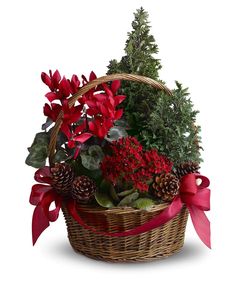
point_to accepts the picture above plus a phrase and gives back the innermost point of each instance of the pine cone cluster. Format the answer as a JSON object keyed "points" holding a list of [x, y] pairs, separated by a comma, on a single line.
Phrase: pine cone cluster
{"points": [[165, 187], [64, 182], [83, 189], [186, 168], [62, 178]]}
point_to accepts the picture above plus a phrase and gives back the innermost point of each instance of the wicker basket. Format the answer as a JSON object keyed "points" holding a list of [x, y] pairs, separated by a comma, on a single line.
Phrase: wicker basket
{"points": [[157, 243]]}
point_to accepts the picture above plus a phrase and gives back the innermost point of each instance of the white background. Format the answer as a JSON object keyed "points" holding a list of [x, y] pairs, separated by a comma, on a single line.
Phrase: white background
{"points": [[197, 47]]}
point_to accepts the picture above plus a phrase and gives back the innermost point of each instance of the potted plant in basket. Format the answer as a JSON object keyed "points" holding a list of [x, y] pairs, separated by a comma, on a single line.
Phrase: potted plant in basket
{"points": [[123, 158]]}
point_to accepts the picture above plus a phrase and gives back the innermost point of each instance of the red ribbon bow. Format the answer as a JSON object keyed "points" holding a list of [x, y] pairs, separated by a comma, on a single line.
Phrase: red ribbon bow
{"points": [[195, 197], [42, 196]]}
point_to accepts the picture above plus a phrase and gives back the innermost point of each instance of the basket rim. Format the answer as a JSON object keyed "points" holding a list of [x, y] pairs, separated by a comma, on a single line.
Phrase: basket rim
{"points": [[119, 210]]}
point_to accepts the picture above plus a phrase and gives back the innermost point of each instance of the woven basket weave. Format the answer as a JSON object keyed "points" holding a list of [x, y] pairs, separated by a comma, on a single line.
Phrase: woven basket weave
{"points": [[157, 243]]}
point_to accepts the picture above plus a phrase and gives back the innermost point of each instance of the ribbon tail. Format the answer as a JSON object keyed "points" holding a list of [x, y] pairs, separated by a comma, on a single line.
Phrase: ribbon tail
{"points": [[201, 224], [39, 223]]}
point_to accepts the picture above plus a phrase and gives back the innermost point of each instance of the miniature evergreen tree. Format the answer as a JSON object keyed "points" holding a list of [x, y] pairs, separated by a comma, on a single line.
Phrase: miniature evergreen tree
{"points": [[156, 119]]}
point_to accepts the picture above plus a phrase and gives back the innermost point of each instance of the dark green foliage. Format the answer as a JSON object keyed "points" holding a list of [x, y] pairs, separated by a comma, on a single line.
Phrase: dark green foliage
{"points": [[155, 118], [38, 150], [171, 127]]}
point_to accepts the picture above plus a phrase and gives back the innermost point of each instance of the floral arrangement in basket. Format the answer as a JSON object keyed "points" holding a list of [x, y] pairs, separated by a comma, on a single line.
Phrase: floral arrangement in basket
{"points": [[118, 145]]}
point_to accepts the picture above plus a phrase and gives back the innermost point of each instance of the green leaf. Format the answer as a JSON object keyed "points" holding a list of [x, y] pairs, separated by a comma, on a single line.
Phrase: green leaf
{"points": [[96, 152], [126, 201], [113, 194], [105, 186], [143, 203], [90, 162], [116, 133], [103, 200], [37, 156], [125, 193], [47, 124], [60, 156], [92, 158], [41, 138]]}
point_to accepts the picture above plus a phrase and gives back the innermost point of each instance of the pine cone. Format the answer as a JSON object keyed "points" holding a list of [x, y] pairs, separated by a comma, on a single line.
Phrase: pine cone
{"points": [[83, 189], [165, 187], [186, 168], [62, 178]]}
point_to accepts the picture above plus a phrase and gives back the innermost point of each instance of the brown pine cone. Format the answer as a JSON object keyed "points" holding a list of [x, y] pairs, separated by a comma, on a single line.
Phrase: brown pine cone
{"points": [[186, 168], [62, 178], [83, 189], [165, 187]]}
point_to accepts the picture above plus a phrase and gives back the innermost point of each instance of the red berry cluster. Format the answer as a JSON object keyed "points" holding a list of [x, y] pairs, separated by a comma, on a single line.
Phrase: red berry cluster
{"points": [[130, 164]]}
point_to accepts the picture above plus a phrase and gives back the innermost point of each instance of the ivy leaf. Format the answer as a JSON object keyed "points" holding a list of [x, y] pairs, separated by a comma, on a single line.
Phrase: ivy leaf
{"points": [[143, 203], [103, 200], [126, 201]]}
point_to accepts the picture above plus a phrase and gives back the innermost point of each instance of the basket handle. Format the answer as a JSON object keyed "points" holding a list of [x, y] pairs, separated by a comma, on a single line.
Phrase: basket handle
{"points": [[89, 86]]}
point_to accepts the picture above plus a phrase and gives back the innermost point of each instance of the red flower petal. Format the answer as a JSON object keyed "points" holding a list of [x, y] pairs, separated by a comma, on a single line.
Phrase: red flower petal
{"points": [[83, 137], [112, 101], [71, 144], [90, 103], [46, 79], [107, 90], [73, 118], [75, 83], [104, 110], [64, 87], [51, 96], [92, 112], [119, 99], [118, 114], [66, 130], [47, 110], [92, 126], [115, 86], [100, 97], [92, 76], [56, 77]]}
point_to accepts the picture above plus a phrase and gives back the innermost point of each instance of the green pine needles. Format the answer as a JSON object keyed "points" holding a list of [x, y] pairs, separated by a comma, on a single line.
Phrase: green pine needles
{"points": [[156, 119]]}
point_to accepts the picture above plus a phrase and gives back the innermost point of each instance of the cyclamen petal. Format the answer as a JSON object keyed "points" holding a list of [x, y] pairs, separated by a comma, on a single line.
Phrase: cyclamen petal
{"points": [[115, 85], [75, 83], [56, 77], [46, 79], [119, 99], [118, 114], [100, 97], [66, 130], [83, 137], [64, 87], [51, 96], [92, 76]]}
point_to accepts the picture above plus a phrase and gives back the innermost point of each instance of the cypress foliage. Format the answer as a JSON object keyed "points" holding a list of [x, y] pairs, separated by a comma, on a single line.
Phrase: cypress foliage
{"points": [[156, 119]]}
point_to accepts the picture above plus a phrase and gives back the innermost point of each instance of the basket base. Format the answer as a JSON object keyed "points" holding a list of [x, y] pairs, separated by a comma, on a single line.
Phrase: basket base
{"points": [[129, 260], [158, 243]]}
